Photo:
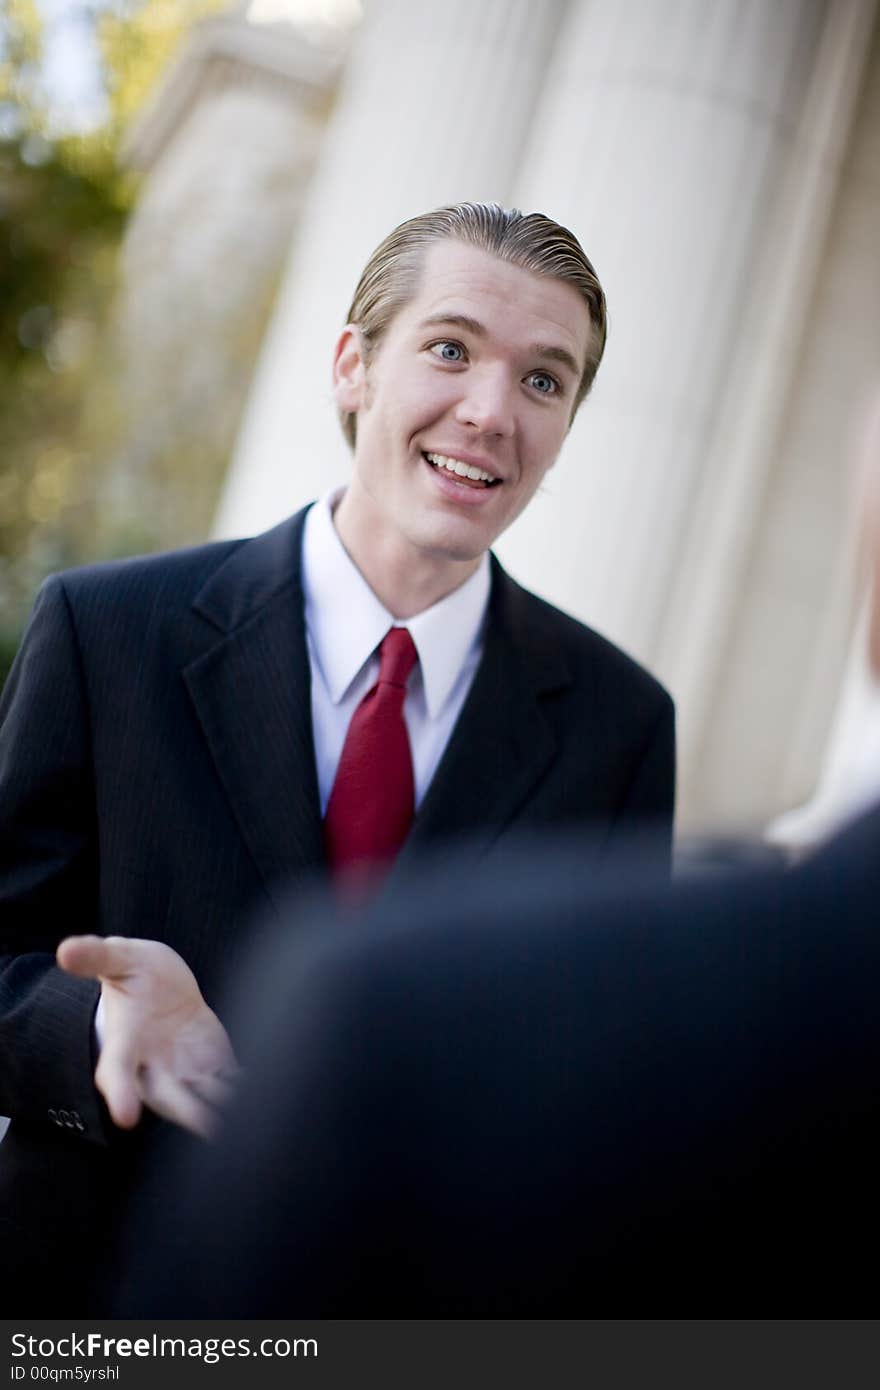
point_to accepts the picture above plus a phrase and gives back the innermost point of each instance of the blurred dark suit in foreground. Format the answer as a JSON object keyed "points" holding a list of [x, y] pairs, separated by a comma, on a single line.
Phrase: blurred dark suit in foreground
{"points": [[515, 1095]]}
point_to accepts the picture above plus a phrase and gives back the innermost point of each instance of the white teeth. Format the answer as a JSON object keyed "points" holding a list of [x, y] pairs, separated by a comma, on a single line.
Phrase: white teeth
{"points": [[464, 470]]}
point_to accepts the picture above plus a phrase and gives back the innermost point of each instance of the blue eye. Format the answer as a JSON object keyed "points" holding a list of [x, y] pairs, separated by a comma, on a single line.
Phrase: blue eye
{"points": [[449, 352], [544, 383]]}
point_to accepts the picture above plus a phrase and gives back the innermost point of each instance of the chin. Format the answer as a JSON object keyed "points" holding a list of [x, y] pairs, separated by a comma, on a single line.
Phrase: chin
{"points": [[453, 543]]}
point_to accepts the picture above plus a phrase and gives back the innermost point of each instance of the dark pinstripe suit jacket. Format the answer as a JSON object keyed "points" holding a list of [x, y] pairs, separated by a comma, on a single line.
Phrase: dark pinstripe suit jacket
{"points": [[157, 779]]}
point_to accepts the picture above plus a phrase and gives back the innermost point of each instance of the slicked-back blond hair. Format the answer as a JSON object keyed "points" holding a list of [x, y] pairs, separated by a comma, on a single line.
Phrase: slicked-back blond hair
{"points": [[532, 241]]}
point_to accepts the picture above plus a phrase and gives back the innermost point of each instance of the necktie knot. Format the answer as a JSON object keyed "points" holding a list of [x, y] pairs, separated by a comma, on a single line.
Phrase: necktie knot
{"points": [[397, 657]]}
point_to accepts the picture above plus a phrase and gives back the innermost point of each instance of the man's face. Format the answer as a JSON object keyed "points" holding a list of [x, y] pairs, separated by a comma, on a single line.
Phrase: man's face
{"points": [[478, 372]]}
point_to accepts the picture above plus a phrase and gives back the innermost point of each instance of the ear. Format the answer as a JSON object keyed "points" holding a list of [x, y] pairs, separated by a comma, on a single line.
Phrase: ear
{"points": [[349, 369]]}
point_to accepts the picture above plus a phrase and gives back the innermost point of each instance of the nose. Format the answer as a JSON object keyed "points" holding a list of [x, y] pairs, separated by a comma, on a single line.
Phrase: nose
{"points": [[486, 402]]}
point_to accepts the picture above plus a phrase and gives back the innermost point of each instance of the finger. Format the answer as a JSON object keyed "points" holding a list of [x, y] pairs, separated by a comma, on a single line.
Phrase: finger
{"points": [[230, 1071], [117, 1079], [203, 1049], [177, 1102], [214, 1089], [95, 957]]}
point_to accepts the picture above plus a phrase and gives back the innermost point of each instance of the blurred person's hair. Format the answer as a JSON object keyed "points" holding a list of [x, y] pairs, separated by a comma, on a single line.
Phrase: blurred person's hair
{"points": [[531, 241]]}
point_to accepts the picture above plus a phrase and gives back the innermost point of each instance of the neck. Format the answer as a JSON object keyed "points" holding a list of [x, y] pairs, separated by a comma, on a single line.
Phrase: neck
{"points": [[405, 579]]}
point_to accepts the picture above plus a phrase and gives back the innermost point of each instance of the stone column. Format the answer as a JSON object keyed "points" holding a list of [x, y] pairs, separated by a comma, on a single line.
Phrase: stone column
{"points": [[234, 125], [849, 778], [435, 106], [695, 149], [849, 781]]}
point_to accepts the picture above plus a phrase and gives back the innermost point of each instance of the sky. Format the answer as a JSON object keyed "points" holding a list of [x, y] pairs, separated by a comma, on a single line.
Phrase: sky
{"points": [[71, 68]]}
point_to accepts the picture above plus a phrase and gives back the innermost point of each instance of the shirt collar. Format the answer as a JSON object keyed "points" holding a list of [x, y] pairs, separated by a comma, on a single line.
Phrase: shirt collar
{"points": [[346, 621]]}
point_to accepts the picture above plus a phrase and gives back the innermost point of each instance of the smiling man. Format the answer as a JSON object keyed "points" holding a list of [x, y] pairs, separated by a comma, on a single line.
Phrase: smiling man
{"points": [[461, 405], [183, 735]]}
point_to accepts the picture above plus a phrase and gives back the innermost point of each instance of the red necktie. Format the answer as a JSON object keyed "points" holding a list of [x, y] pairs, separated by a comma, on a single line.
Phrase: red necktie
{"points": [[371, 805]]}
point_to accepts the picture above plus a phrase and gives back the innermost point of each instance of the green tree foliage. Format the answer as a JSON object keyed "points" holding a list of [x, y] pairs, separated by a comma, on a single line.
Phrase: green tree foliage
{"points": [[63, 207], [137, 39]]}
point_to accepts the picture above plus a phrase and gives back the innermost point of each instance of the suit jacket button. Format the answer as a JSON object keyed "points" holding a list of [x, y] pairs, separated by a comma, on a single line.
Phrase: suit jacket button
{"points": [[54, 1118]]}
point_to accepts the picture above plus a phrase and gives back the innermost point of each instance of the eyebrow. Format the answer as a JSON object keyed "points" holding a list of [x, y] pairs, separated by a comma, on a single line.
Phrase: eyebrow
{"points": [[469, 325]]}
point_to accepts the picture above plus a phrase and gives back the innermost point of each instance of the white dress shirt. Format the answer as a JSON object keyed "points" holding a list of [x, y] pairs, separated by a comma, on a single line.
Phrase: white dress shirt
{"points": [[345, 622]]}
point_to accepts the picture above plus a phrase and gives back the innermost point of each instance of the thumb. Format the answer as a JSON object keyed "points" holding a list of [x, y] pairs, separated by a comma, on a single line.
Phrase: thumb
{"points": [[95, 957]]}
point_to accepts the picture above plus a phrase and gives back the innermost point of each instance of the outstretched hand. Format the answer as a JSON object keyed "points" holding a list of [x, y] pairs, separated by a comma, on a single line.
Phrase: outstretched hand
{"points": [[162, 1046]]}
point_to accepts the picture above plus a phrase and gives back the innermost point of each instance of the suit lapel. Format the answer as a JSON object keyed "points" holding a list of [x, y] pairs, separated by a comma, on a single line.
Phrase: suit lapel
{"points": [[251, 691], [502, 744]]}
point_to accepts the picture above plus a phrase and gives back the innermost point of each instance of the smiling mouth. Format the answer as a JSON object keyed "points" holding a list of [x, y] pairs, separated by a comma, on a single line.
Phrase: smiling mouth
{"points": [[460, 472]]}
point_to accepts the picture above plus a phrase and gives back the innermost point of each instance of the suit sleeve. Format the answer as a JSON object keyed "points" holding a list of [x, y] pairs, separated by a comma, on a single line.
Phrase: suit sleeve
{"points": [[48, 877], [648, 807]]}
